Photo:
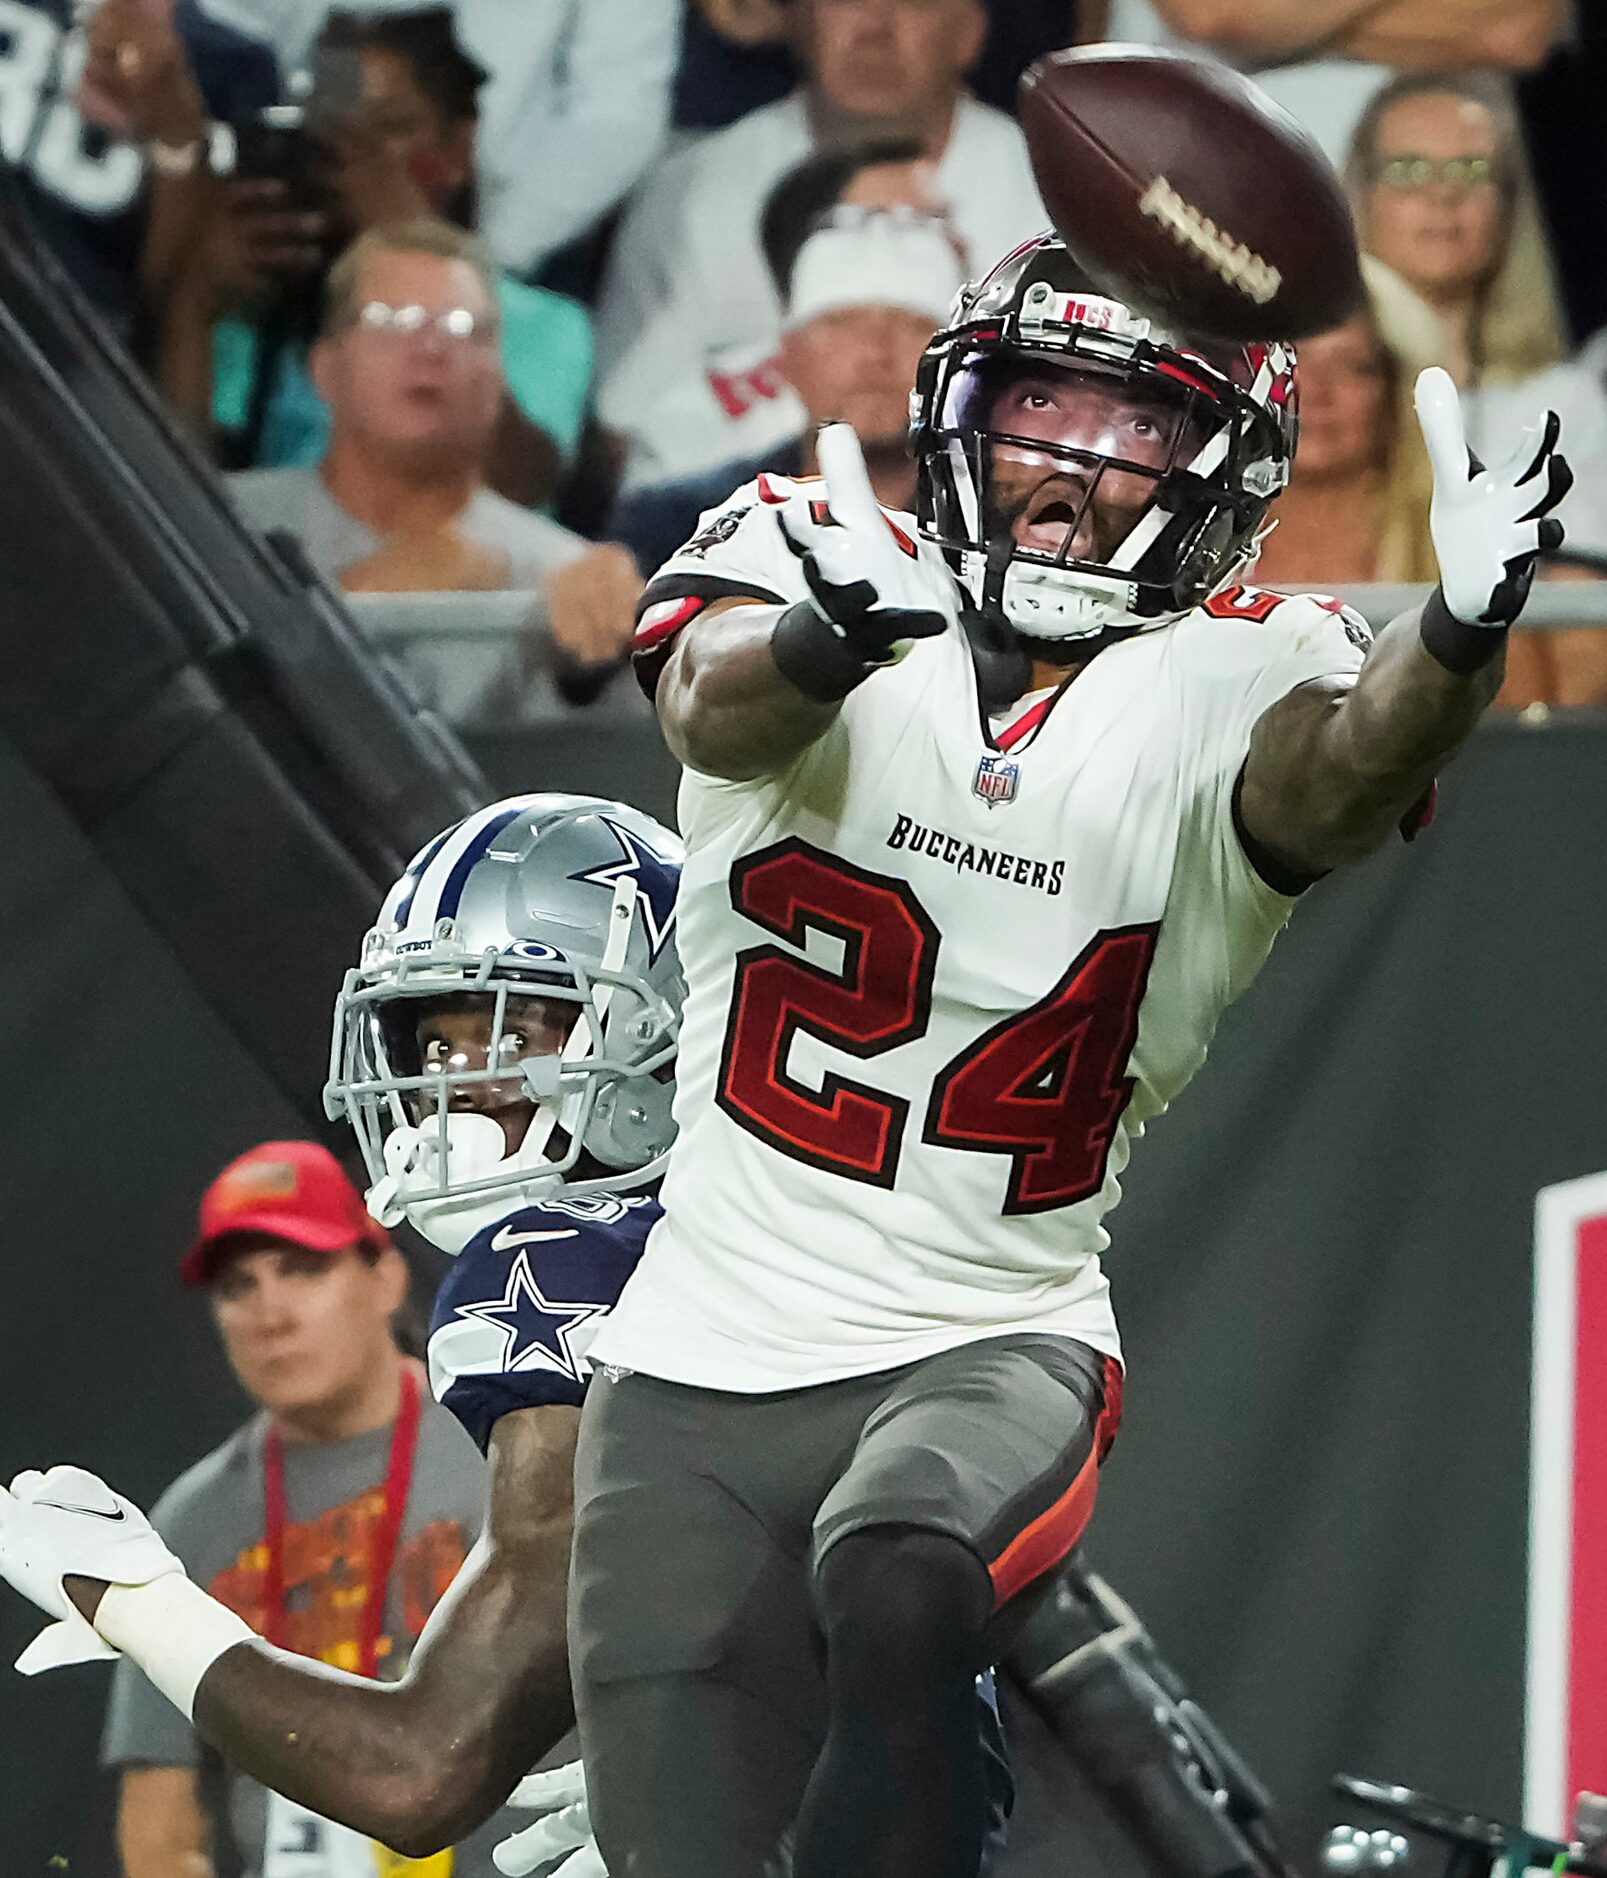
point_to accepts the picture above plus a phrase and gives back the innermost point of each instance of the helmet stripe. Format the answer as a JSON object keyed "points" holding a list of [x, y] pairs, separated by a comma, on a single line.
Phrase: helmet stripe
{"points": [[479, 842], [415, 874]]}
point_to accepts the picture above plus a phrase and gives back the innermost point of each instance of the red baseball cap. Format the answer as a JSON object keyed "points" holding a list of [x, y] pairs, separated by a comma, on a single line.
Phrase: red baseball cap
{"points": [[293, 1190]]}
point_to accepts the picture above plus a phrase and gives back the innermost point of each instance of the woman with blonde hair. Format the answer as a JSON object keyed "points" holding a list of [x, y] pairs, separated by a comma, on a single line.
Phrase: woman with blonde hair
{"points": [[1441, 192]]}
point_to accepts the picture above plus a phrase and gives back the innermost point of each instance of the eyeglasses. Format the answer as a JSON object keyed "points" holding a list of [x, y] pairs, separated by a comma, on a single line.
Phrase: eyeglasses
{"points": [[455, 323], [1419, 172]]}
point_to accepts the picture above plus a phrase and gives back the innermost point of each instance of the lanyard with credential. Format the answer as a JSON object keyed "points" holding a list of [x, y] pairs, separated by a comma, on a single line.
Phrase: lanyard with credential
{"points": [[398, 1478]]}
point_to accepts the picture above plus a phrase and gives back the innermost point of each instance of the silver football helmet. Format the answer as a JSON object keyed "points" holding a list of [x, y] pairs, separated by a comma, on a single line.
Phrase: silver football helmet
{"points": [[565, 900]]}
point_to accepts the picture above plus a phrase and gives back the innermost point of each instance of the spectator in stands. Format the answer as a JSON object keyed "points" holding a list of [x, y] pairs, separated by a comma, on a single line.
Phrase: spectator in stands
{"points": [[575, 111], [688, 300], [864, 290], [331, 1521], [735, 57], [744, 407], [106, 129], [1322, 60], [407, 151], [408, 366], [1437, 176], [1356, 508]]}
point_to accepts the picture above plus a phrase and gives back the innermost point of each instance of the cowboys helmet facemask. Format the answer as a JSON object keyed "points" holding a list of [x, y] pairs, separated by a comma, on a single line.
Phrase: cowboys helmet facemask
{"points": [[1159, 519], [568, 899]]}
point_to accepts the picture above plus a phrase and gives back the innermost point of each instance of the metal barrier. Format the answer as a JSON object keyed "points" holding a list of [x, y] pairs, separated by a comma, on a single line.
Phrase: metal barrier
{"points": [[1553, 606], [442, 618]]}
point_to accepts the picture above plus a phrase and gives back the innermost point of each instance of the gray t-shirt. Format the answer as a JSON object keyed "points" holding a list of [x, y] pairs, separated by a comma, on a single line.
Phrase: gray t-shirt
{"points": [[297, 501], [466, 681], [212, 1517]]}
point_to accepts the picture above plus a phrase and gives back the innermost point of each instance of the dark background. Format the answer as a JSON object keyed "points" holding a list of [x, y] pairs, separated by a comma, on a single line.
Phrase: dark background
{"points": [[1322, 1269]]}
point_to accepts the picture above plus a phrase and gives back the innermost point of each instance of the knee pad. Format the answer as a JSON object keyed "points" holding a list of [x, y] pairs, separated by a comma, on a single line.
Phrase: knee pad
{"points": [[897, 1593]]}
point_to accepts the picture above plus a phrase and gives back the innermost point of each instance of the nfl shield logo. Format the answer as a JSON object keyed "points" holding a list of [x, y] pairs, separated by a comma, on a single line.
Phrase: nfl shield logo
{"points": [[996, 780]]}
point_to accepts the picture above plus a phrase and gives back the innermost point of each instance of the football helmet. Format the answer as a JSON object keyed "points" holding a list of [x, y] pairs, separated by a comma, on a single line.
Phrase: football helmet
{"points": [[566, 900], [1086, 473]]}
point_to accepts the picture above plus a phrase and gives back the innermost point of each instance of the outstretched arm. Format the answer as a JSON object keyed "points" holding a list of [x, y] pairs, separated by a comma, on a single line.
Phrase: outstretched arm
{"points": [[1332, 769], [750, 686], [724, 706], [417, 1764]]}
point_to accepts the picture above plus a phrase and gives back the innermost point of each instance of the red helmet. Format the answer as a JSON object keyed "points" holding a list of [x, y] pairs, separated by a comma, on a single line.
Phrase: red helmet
{"points": [[1087, 474]]}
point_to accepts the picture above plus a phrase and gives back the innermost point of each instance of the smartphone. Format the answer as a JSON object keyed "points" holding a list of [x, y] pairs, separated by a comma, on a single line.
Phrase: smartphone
{"points": [[284, 142]]}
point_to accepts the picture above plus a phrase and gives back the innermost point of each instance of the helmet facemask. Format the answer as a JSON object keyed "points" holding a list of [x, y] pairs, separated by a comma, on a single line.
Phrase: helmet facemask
{"points": [[599, 1104], [1086, 476]]}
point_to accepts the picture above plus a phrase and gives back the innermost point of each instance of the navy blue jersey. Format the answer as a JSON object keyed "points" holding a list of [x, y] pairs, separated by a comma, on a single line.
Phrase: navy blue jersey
{"points": [[513, 1321]]}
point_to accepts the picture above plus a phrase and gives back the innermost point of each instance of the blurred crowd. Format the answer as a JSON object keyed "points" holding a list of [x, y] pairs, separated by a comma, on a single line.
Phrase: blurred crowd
{"points": [[500, 295]]}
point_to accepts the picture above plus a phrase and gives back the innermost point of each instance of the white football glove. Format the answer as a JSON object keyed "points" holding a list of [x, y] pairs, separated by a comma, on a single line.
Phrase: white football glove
{"points": [[70, 1522], [564, 1834], [1489, 525], [872, 594]]}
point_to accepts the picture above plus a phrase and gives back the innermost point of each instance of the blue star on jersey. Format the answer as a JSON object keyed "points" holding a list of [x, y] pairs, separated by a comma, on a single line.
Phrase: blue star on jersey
{"points": [[656, 882], [538, 1329], [517, 1312]]}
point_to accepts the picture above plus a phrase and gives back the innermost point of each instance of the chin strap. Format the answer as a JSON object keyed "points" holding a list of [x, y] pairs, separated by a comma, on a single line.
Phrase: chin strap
{"points": [[1003, 664], [1001, 552]]}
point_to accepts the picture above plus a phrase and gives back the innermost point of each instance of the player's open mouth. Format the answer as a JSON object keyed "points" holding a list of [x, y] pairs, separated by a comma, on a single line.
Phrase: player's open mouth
{"points": [[1053, 512]]}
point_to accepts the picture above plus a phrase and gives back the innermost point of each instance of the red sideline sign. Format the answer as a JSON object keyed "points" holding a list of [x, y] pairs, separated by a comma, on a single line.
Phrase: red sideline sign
{"points": [[1565, 1721]]}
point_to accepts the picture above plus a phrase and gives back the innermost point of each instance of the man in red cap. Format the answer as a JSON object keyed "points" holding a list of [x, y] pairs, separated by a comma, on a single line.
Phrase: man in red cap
{"points": [[331, 1522]]}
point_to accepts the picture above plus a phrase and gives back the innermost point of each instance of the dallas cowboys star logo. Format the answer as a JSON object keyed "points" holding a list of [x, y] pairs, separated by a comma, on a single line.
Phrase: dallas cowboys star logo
{"points": [[656, 883], [538, 1331]]}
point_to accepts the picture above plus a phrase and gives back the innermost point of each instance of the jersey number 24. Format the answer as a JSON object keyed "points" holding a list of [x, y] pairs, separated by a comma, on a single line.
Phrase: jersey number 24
{"points": [[1046, 1086]]}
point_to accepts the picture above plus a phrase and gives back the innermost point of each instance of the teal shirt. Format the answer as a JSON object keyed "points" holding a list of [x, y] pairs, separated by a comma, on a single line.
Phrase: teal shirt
{"points": [[546, 359]]}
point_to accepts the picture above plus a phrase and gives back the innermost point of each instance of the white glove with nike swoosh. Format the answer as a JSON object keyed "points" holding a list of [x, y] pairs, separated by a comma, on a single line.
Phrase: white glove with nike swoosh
{"points": [[69, 1522], [564, 1834]]}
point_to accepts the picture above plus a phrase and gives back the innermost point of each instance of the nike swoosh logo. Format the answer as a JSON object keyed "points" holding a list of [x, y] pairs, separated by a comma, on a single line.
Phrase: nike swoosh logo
{"points": [[506, 1239], [94, 1512]]}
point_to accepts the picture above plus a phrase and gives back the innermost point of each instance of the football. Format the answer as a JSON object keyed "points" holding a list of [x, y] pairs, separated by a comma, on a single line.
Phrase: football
{"points": [[1185, 192]]}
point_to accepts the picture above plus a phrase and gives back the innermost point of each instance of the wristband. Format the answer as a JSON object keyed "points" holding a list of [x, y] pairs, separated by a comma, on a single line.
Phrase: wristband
{"points": [[815, 656], [172, 1630], [1458, 646]]}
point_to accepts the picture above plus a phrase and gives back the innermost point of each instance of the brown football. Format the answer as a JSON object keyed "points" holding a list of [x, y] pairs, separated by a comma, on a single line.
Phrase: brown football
{"points": [[1188, 194]]}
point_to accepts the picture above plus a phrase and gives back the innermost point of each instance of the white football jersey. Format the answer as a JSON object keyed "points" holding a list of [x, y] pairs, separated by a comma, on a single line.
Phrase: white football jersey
{"points": [[939, 981]]}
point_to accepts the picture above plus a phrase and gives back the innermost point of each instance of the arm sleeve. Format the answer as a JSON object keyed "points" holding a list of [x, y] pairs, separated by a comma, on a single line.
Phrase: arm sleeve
{"points": [[563, 140]]}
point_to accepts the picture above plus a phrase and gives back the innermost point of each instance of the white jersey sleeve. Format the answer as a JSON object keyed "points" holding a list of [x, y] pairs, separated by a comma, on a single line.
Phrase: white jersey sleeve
{"points": [[738, 549], [1263, 645]]}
